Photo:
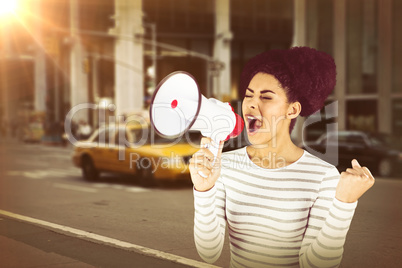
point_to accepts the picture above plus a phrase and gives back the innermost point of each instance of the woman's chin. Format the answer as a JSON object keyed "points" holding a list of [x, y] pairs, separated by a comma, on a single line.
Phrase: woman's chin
{"points": [[257, 140], [254, 138]]}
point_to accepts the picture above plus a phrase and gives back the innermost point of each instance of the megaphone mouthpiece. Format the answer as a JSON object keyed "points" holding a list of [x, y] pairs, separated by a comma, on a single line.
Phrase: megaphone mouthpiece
{"points": [[238, 127]]}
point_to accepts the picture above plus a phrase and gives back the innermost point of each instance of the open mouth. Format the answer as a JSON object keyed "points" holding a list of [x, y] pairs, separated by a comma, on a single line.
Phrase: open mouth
{"points": [[254, 124]]}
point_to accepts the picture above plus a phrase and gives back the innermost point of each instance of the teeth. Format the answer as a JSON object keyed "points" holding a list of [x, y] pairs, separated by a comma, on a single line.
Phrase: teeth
{"points": [[249, 118], [254, 123]]}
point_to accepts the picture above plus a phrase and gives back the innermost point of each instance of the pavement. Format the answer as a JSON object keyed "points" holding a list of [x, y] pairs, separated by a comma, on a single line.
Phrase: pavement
{"points": [[25, 245]]}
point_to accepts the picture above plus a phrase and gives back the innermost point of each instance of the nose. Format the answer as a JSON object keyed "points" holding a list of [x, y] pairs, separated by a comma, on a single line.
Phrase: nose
{"points": [[252, 104]]}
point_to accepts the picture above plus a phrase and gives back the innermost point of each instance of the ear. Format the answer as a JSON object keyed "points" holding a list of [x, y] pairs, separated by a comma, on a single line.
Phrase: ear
{"points": [[294, 110]]}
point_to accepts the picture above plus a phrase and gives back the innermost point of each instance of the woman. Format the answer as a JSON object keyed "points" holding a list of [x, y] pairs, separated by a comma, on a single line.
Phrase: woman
{"points": [[282, 205]]}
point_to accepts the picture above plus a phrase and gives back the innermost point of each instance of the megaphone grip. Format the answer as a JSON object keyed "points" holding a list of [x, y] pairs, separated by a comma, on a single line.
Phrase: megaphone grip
{"points": [[214, 148]]}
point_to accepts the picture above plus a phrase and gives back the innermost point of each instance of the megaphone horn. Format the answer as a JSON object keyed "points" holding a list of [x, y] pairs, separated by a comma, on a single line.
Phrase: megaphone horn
{"points": [[178, 106]]}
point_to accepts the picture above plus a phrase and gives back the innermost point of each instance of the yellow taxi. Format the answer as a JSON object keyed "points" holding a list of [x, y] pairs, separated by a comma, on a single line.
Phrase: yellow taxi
{"points": [[135, 148]]}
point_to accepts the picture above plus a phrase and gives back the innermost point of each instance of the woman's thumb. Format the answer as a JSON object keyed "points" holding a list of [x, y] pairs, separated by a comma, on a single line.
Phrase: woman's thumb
{"points": [[219, 155]]}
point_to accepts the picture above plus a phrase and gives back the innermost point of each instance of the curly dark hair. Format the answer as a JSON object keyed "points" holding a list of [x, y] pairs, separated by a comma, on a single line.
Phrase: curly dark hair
{"points": [[307, 75]]}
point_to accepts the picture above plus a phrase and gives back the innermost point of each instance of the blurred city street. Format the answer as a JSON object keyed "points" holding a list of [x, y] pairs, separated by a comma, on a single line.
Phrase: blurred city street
{"points": [[89, 71], [40, 182]]}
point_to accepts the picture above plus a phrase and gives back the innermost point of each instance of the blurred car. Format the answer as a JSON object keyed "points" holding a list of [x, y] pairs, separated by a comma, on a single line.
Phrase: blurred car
{"points": [[390, 139], [372, 150], [135, 149]]}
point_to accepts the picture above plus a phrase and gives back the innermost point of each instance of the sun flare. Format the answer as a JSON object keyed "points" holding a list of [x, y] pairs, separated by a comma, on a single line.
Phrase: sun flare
{"points": [[8, 6]]}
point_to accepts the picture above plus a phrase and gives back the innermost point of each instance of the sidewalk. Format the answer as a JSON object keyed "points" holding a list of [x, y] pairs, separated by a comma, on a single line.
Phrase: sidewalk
{"points": [[24, 245], [17, 254]]}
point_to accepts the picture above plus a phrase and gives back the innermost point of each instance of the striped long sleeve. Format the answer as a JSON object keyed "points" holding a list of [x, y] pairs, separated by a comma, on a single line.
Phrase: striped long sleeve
{"points": [[284, 217], [328, 224], [209, 222]]}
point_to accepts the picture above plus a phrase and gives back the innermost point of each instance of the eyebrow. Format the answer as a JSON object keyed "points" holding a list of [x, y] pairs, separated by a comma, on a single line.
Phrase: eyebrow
{"points": [[262, 91]]}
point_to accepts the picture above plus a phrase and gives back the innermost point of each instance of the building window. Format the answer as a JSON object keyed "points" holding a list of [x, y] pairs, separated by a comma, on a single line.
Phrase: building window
{"points": [[397, 44], [181, 16], [361, 44], [397, 117], [320, 25], [262, 19], [361, 115], [95, 15]]}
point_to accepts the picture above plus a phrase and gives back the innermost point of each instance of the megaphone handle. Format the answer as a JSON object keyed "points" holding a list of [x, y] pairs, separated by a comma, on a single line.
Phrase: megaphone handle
{"points": [[214, 148]]}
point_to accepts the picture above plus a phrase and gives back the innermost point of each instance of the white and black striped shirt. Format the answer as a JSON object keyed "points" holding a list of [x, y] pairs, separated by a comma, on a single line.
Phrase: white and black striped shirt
{"points": [[275, 217]]}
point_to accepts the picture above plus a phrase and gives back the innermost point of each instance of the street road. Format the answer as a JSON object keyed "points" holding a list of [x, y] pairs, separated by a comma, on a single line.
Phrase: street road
{"points": [[40, 182]]}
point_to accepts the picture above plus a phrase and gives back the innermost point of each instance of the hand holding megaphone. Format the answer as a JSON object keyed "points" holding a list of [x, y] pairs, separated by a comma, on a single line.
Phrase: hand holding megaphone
{"points": [[204, 167], [177, 106]]}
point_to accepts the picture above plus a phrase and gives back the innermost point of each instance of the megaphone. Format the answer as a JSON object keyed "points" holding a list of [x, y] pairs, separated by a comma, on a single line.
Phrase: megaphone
{"points": [[178, 106]]}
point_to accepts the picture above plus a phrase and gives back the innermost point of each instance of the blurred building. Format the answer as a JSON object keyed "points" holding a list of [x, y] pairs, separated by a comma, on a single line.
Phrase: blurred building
{"points": [[118, 50]]}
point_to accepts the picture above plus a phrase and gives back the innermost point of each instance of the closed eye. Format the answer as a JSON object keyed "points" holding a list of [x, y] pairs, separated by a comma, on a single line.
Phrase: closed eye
{"points": [[248, 96], [266, 98]]}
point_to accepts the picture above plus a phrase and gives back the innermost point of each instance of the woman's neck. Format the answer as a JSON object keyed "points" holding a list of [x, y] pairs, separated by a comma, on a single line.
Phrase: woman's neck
{"points": [[279, 152]]}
